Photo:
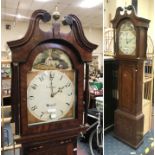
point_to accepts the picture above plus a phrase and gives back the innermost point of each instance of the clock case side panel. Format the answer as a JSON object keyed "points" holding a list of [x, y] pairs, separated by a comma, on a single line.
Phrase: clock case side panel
{"points": [[15, 82], [79, 103], [142, 42]]}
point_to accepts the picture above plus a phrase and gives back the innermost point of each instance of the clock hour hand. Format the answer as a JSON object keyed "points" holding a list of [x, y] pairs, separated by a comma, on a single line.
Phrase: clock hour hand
{"points": [[52, 93]]}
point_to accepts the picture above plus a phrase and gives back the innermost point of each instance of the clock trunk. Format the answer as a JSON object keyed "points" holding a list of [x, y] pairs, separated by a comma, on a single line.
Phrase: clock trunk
{"points": [[129, 118]]}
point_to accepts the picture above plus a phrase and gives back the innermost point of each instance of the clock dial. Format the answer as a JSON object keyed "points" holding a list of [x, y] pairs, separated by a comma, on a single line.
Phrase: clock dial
{"points": [[127, 39], [51, 95]]}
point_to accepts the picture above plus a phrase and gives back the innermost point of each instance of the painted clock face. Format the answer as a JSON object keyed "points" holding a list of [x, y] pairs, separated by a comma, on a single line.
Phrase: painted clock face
{"points": [[50, 93], [127, 39]]}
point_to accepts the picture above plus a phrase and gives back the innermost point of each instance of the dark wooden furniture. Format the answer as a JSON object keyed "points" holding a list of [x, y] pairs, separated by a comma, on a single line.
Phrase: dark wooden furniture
{"points": [[110, 91], [51, 137], [128, 116]]}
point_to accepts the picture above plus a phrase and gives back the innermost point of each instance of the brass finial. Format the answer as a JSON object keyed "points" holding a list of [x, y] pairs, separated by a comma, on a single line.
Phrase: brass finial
{"points": [[56, 14]]}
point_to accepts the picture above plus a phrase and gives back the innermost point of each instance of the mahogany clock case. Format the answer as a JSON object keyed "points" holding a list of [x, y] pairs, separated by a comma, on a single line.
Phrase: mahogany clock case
{"points": [[24, 51], [129, 119]]}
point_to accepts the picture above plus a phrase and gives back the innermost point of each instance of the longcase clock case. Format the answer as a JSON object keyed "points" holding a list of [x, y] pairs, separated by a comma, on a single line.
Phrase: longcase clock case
{"points": [[129, 118], [57, 137]]}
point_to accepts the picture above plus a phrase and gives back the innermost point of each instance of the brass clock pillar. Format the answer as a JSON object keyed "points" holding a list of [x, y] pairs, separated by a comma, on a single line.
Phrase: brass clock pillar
{"points": [[130, 43]]}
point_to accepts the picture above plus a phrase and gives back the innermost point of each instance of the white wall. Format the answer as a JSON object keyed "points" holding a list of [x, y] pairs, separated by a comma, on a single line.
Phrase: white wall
{"points": [[109, 12], [123, 3], [94, 35], [146, 10]]}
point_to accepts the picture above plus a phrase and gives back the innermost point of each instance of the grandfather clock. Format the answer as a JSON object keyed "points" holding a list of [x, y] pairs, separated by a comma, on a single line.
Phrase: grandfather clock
{"points": [[49, 88], [130, 43]]}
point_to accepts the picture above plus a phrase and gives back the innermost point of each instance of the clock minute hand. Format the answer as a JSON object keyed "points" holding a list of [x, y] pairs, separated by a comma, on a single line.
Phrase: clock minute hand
{"points": [[51, 79], [59, 90]]}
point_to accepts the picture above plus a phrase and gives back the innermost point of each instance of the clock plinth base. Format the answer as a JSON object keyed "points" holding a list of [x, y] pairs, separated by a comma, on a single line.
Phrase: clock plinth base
{"points": [[129, 128], [128, 143]]}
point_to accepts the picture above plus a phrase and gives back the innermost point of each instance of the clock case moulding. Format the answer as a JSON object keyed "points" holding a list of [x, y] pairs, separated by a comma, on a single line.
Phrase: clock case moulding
{"points": [[79, 50]]}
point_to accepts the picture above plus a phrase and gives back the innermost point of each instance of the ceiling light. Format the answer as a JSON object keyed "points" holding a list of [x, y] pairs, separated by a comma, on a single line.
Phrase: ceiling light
{"points": [[43, 0], [90, 4], [19, 16]]}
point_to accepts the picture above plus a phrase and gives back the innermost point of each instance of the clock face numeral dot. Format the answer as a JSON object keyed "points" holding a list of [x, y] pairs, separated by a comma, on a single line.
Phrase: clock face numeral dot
{"points": [[42, 77], [70, 94], [67, 103], [68, 84], [42, 113], [31, 97], [50, 95], [34, 86], [34, 108]]}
